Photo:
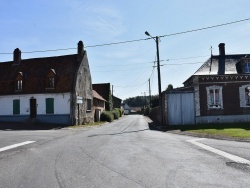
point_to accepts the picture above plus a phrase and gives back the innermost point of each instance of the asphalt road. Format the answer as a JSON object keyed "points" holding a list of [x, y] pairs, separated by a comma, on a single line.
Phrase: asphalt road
{"points": [[125, 153]]}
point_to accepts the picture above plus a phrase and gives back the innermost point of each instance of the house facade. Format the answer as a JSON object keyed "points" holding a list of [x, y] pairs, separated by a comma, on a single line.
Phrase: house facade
{"points": [[219, 89], [103, 89], [46, 89], [117, 103], [98, 105]]}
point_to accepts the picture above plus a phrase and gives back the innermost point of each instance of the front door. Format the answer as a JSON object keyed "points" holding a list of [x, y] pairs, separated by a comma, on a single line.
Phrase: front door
{"points": [[32, 108]]}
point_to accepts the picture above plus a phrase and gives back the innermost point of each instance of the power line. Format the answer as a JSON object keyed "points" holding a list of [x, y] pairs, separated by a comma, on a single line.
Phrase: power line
{"points": [[204, 28], [182, 63], [132, 86], [137, 40], [122, 69]]}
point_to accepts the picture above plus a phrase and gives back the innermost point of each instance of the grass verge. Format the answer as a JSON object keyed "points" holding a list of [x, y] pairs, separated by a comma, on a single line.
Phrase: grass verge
{"points": [[239, 130], [99, 123]]}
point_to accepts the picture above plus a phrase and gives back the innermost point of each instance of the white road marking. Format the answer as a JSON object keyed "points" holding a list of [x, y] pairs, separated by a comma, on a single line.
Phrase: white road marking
{"points": [[219, 152], [15, 145]]}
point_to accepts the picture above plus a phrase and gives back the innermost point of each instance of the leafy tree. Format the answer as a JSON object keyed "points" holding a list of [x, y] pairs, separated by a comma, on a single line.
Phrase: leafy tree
{"points": [[170, 87]]}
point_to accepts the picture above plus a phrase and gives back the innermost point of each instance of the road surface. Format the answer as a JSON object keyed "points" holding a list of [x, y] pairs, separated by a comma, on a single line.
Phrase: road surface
{"points": [[125, 153]]}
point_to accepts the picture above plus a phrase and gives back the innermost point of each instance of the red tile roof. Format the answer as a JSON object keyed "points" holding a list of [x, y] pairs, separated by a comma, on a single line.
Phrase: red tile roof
{"points": [[34, 74]]}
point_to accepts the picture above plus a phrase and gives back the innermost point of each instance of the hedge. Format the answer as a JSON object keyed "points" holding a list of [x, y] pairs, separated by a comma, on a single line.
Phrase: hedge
{"points": [[116, 114], [107, 116]]}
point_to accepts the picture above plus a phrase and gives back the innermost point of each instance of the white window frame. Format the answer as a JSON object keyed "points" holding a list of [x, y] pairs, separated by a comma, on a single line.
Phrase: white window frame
{"points": [[211, 105], [247, 67], [19, 85], [243, 97]]}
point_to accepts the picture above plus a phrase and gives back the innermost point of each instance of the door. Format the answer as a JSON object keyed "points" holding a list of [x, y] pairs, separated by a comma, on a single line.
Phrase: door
{"points": [[33, 111], [181, 109]]}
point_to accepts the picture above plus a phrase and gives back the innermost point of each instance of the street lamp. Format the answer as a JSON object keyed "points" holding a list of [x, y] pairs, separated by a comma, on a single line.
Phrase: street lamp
{"points": [[159, 75]]}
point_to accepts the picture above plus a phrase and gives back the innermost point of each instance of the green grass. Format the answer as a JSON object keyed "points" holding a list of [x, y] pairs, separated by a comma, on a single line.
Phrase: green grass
{"points": [[240, 130]]}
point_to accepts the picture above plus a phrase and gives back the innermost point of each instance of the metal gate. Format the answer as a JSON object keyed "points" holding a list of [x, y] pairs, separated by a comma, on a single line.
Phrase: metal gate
{"points": [[180, 109]]}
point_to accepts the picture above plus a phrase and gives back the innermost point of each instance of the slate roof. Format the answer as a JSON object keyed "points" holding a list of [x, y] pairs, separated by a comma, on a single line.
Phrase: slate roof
{"points": [[34, 74], [211, 67]]}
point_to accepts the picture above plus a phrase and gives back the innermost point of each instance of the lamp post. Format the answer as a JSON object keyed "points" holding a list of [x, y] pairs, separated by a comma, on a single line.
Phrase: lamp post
{"points": [[159, 75]]}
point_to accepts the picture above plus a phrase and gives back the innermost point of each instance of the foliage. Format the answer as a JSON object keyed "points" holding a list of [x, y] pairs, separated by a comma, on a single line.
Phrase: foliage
{"points": [[119, 111], [170, 87], [154, 101], [116, 114], [107, 116]]}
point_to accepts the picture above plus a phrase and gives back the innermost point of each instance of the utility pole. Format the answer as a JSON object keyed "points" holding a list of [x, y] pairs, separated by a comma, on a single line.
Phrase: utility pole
{"points": [[149, 93], [159, 76], [159, 80], [112, 97]]}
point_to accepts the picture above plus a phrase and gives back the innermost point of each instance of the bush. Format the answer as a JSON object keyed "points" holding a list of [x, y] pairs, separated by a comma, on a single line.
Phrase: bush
{"points": [[107, 116], [116, 114], [119, 111]]}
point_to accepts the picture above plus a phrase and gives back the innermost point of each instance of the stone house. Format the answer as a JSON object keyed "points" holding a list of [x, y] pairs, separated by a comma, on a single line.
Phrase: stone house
{"points": [[46, 89], [218, 92]]}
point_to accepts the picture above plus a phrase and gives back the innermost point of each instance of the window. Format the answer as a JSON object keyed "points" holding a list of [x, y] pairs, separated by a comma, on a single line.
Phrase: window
{"points": [[16, 106], [244, 93], [88, 104], [51, 82], [19, 82], [51, 79], [247, 67], [214, 97], [19, 85], [49, 105]]}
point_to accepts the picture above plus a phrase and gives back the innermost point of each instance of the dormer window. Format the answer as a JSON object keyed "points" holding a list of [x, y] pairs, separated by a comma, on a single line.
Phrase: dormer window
{"points": [[50, 79], [244, 65], [51, 83], [247, 67], [19, 82], [19, 85]]}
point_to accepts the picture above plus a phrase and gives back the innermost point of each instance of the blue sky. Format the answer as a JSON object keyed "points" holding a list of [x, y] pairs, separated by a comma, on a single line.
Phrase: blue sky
{"points": [[60, 24]]}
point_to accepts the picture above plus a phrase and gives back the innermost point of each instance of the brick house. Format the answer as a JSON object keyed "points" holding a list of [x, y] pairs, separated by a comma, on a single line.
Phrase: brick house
{"points": [[46, 89], [103, 89], [98, 105], [117, 103], [219, 90]]}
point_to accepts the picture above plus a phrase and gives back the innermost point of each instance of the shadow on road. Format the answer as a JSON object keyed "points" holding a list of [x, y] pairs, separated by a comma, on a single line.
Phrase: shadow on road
{"points": [[112, 134], [14, 126]]}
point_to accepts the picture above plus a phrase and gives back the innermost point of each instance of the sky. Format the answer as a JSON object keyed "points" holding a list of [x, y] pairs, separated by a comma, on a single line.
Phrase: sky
{"points": [[41, 25]]}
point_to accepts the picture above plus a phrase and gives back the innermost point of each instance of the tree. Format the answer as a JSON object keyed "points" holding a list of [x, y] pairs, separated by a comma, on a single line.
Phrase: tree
{"points": [[170, 87]]}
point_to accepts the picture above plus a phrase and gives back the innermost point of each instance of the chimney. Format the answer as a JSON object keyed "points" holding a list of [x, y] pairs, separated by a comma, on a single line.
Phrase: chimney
{"points": [[17, 56], [80, 50], [221, 65]]}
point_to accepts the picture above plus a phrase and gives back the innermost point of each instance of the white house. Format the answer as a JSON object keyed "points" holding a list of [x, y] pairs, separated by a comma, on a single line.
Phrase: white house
{"points": [[46, 89]]}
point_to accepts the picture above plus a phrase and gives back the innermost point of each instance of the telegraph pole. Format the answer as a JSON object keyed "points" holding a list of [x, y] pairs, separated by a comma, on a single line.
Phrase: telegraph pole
{"points": [[159, 75], [149, 93]]}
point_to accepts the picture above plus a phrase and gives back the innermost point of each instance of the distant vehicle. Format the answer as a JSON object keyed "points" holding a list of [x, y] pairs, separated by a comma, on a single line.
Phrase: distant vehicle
{"points": [[126, 112]]}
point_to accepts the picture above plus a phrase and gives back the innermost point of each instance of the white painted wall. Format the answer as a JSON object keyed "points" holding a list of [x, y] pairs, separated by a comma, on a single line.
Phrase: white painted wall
{"points": [[61, 103]]}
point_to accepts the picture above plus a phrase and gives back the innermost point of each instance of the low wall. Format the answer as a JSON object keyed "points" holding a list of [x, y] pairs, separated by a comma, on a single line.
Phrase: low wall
{"points": [[223, 119], [63, 119], [155, 114]]}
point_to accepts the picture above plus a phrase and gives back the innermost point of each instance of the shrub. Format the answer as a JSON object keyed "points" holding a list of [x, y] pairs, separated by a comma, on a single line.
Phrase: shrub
{"points": [[119, 111], [107, 116], [116, 114]]}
